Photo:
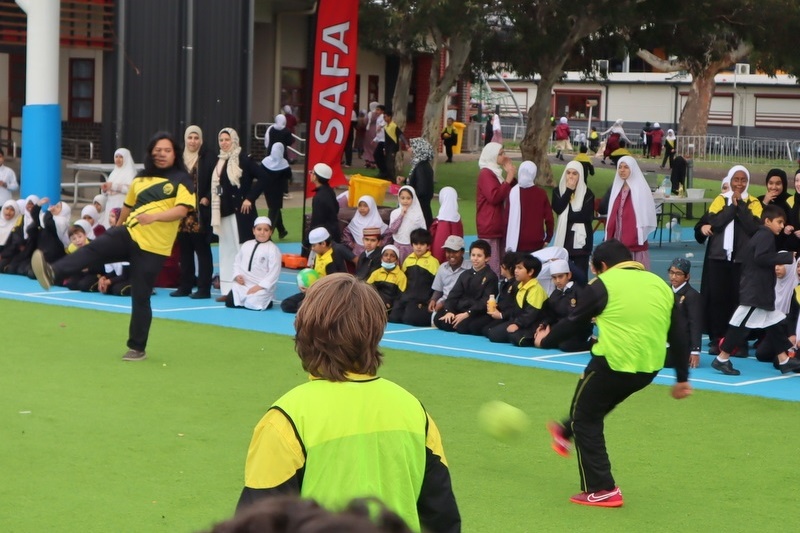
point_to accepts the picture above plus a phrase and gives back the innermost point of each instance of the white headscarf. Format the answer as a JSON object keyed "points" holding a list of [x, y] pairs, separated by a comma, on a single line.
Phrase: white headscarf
{"points": [[87, 228], [412, 220], [287, 109], [562, 120], [525, 177], [275, 161], [546, 256], [7, 226], [280, 122], [370, 220], [448, 205], [488, 159], [617, 128], [61, 221], [28, 218], [784, 288], [670, 135], [727, 236], [643, 205], [100, 199], [575, 205], [231, 157], [92, 212], [122, 177]]}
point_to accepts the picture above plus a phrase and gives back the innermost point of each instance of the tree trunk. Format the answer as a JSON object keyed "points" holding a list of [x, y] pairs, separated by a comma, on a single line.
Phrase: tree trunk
{"points": [[402, 88], [538, 129], [694, 117]]}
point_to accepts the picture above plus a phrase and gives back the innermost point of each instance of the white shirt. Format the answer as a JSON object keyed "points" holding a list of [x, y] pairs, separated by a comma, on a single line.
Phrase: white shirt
{"points": [[10, 179]]}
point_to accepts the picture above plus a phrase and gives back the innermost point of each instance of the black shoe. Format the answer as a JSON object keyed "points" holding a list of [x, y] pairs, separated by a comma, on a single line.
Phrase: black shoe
{"points": [[179, 293], [726, 367], [282, 234], [791, 365], [200, 295]]}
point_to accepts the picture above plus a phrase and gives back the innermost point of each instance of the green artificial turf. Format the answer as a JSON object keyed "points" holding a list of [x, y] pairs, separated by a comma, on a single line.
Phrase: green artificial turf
{"points": [[90, 443]]}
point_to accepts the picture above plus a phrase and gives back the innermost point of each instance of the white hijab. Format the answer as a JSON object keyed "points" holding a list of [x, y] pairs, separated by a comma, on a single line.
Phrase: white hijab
{"points": [[27, 214], [280, 122], [448, 205], [122, 177], [784, 288], [547, 256], [61, 221], [727, 236], [670, 135], [7, 226], [643, 205], [575, 205], [275, 161], [617, 128], [488, 159], [525, 177], [370, 220], [412, 220]]}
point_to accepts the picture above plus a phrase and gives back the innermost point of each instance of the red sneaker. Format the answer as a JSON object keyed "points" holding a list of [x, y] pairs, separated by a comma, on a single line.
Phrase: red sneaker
{"points": [[561, 444], [601, 498]]}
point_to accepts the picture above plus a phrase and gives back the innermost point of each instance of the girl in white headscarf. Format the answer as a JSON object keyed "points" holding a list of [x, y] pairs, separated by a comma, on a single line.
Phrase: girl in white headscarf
{"points": [[232, 209], [405, 219], [276, 174], [120, 179], [631, 210], [530, 217], [573, 202], [9, 218], [366, 216], [448, 222], [670, 147], [491, 198]]}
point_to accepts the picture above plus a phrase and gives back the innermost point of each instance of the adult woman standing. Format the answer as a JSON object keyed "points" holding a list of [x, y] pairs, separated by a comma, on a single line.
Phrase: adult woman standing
{"points": [[420, 177], [530, 217], [573, 202], [733, 216], [275, 173], [493, 191], [156, 202], [116, 187], [615, 133], [232, 211], [194, 232], [631, 210]]}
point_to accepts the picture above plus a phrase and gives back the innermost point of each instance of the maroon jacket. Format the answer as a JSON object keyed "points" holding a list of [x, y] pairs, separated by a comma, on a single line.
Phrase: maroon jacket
{"points": [[490, 213], [630, 234], [441, 230], [536, 219], [562, 132]]}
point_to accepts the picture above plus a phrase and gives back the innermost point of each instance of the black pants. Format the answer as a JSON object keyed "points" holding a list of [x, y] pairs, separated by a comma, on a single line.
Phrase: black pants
{"points": [[113, 246], [448, 149], [411, 312], [191, 244], [293, 302], [599, 391], [668, 155], [722, 296], [774, 342], [469, 326], [379, 156], [348, 146]]}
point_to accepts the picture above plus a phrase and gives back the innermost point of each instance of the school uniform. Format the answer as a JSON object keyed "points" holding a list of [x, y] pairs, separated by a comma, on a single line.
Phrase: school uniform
{"points": [[368, 263], [412, 307], [526, 315], [557, 307], [390, 285], [327, 263], [259, 263], [690, 306], [469, 295], [506, 303]]}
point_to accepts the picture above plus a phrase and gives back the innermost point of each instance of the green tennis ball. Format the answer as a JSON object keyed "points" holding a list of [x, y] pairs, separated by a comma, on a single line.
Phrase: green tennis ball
{"points": [[502, 421], [307, 277]]}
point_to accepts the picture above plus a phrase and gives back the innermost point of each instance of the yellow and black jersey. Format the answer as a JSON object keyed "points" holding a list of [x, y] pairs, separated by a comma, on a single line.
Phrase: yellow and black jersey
{"points": [[156, 195]]}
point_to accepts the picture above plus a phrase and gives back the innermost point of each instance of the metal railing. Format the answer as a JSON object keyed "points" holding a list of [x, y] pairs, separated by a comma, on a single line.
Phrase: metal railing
{"points": [[260, 132], [76, 145], [10, 147]]}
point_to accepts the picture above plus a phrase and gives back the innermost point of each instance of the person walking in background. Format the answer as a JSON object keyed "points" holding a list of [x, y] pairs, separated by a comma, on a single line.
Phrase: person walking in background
{"points": [[157, 200], [369, 135], [615, 133], [562, 138], [420, 177], [490, 202], [656, 135], [645, 136], [275, 173], [636, 316], [449, 139], [670, 147]]}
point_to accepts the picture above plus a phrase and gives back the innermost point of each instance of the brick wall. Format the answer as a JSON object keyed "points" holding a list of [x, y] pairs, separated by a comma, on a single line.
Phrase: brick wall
{"points": [[85, 131]]}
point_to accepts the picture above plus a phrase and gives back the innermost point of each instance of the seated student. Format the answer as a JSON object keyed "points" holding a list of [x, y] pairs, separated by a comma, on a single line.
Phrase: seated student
{"points": [[116, 279], [448, 273], [99, 202], [499, 307], [366, 216], [89, 214], [420, 269], [256, 269], [521, 323], [50, 229], [467, 300], [10, 218], [327, 260], [565, 296], [12, 231], [389, 280], [620, 152], [690, 306], [586, 162], [86, 279], [369, 260]]}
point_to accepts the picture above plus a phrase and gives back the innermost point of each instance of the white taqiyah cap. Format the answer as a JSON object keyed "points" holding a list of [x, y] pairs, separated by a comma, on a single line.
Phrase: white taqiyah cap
{"points": [[559, 266], [262, 220], [318, 235], [323, 171]]}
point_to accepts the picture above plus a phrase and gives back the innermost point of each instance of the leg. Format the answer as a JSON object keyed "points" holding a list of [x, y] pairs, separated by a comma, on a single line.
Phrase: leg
{"points": [[417, 314], [228, 248], [145, 267], [110, 247], [205, 263], [440, 323], [292, 303], [497, 332], [397, 312], [186, 260]]}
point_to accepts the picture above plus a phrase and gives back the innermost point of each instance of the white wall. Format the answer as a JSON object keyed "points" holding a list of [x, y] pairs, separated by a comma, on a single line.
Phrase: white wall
{"points": [[370, 64]]}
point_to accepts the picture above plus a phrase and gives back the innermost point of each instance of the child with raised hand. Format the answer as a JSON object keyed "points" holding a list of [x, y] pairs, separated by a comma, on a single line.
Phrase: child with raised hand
{"points": [[420, 269], [468, 297], [520, 325], [447, 222], [389, 280], [366, 216], [51, 228], [256, 269]]}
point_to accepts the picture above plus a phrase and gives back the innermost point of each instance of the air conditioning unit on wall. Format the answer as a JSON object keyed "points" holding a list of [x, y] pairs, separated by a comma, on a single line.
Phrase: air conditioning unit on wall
{"points": [[742, 69], [600, 66]]}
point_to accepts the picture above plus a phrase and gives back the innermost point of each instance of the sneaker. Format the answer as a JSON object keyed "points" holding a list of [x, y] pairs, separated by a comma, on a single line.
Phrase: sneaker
{"points": [[726, 367], [601, 498], [561, 444], [791, 365], [134, 355], [287, 196], [42, 270]]}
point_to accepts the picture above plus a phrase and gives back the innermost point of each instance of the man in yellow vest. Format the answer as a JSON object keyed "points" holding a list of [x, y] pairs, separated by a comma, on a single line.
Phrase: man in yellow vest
{"points": [[636, 316], [348, 433]]}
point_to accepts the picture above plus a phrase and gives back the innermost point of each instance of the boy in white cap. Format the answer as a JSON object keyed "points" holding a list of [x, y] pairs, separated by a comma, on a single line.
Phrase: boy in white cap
{"points": [[256, 269], [562, 300], [326, 261], [324, 206]]}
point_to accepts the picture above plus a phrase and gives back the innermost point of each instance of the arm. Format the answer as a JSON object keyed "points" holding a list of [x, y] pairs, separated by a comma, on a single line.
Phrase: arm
{"points": [[694, 306], [561, 201], [436, 504], [494, 192], [679, 345], [549, 223], [273, 270], [170, 215], [586, 214], [594, 300]]}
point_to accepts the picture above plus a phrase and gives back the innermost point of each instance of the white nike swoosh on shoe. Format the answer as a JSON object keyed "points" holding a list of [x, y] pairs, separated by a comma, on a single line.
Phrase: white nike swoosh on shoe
{"points": [[592, 498]]}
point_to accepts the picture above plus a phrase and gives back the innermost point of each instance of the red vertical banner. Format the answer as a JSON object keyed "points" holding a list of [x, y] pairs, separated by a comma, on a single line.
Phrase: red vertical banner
{"points": [[333, 85]]}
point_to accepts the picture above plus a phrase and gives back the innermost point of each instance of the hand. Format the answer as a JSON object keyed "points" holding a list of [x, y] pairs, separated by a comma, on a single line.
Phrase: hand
{"points": [[3, 183], [769, 196], [511, 170], [694, 361], [512, 328], [239, 279], [736, 197], [146, 218], [246, 206], [205, 201], [447, 318], [404, 209], [572, 182], [254, 289], [43, 201], [105, 187], [400, 180], [541, 332], [681, 390], [705, 229], [460, 317], [497, 315], [434, 307]]}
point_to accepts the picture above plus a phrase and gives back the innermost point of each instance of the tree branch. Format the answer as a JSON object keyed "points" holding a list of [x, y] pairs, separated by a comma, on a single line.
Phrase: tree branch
{"points": [[661, 64]]}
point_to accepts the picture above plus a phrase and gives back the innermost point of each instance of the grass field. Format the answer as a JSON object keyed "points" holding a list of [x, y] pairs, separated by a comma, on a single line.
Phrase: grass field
{"points": [[90, 443]]}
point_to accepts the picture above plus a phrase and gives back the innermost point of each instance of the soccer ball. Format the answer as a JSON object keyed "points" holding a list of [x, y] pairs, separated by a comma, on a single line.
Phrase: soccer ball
{"points": [[307, 277], [502, 421]]}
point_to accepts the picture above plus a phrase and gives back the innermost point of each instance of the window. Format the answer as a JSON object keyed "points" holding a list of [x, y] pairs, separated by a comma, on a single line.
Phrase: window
{"points": [[372, 89], [81, 90], [293, 90], [573, 104]]}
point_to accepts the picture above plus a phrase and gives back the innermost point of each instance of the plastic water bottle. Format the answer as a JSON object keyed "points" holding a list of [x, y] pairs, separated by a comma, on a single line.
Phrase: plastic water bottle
{"points": [[666, 186], [491, 305], [675, 230]]}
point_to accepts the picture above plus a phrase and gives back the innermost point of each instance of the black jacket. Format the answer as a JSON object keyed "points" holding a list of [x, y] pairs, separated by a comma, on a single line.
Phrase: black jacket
{"points": [[690, 305], [585, 216], [759, 257], [471, 292], [325, 211], [368, 265]]}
